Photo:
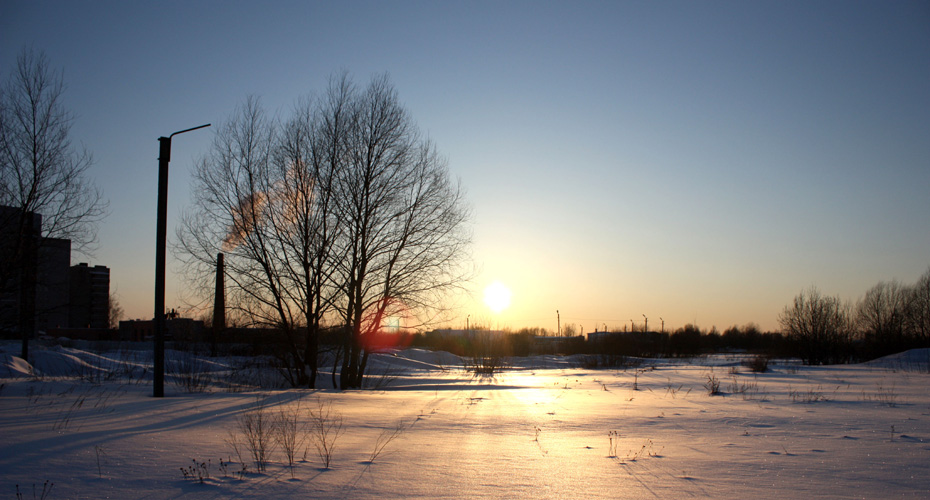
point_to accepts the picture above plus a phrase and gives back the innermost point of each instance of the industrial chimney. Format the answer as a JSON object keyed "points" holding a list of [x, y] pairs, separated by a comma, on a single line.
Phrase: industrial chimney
{"points": [[219, 298]]}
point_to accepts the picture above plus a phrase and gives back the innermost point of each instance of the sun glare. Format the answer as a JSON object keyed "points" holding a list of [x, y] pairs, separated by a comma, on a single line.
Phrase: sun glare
{"points": [[497, 296]]}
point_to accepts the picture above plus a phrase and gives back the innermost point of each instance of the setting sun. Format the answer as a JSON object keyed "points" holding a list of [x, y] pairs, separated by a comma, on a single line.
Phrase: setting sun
{"points": [[497, 297]]}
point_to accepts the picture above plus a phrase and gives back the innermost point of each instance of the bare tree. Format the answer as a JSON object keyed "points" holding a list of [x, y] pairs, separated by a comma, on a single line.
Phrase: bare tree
{"points": [[819, 326], [881, 318], [918, 312], [234, 212], [115, 311], [42, 174], [264, 196], [403, 220], [311, 151], [341, 214], [920, 307]]}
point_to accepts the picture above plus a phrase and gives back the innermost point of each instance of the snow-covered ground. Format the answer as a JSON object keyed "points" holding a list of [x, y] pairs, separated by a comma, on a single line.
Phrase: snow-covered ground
{"points": [[543, 429]]}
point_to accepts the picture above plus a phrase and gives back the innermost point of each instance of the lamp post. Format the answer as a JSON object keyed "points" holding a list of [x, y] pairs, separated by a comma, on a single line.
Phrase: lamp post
{"points": [[164, 156]]}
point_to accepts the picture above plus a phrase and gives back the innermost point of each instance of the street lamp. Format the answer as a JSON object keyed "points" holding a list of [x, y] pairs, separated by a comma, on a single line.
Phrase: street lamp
{"points": [[164, 156]]}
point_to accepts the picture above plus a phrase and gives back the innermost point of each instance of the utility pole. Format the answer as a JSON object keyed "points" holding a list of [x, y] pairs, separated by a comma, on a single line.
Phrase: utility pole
{"points": [[646, 324], [161, 229], [558, 323], [663, 324]]}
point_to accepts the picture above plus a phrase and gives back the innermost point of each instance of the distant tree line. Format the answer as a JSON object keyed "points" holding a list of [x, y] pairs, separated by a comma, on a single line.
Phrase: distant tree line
{"points": [[819, 329], [689, 340], [891, 317], [683, 342]]}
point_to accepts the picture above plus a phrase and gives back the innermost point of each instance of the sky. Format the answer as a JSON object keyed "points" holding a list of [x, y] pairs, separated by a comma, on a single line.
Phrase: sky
{"points": [[698, 162]]}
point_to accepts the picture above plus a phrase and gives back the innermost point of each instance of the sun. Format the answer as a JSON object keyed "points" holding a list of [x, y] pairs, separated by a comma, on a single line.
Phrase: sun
{"points": [[497, 297]]}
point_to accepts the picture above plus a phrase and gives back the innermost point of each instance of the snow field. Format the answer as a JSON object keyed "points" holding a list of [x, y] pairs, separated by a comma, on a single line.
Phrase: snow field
{"points": [[541, 430]]}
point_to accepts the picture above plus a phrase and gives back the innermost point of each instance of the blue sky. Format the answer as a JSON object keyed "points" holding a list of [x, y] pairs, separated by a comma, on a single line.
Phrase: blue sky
{"points": [[696, 161]]}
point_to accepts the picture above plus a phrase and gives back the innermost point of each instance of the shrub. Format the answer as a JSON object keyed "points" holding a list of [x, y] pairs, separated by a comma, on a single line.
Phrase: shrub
{"points": [[596, 361], [290, 434], [387, 435], [37, 495], [484, 366], [758, 364], [748, 389], [488, 354], [197, 471], [613, 440], [327, 426], [256, 428], [712, 385], [809, 396], [190, 372]]}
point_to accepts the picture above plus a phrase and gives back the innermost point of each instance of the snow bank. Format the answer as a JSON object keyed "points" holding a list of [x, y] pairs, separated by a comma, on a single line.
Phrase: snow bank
{"points": [[913, 360], [14, 366]]}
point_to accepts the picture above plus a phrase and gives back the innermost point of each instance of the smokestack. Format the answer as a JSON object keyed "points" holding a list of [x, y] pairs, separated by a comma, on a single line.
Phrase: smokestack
{"points": [[219, 297]]}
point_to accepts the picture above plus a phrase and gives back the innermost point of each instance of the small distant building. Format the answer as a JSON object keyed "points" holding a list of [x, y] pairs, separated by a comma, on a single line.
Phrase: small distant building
{"points": [[136, 330], [600, 336], [85, 333], [185, 329], [451, 333]]}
